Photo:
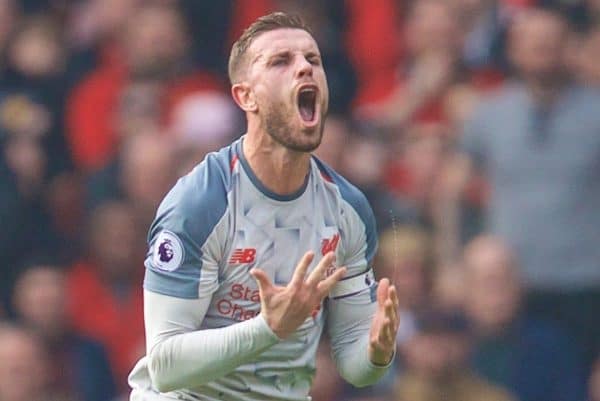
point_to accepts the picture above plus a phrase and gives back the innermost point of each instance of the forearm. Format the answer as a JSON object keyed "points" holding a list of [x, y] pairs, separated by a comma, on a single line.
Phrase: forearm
{"points": [[355, 366], [195, 358], [349, 323], [182, 356]]}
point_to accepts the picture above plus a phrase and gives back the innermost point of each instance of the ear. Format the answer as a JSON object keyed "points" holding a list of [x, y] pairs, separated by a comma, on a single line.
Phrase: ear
{"points": [[244, 97]]}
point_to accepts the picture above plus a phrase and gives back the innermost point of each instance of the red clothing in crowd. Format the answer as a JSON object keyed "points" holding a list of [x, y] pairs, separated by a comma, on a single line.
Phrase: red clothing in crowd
{"points": [[92, 108], [374, 45], [117, 321]]}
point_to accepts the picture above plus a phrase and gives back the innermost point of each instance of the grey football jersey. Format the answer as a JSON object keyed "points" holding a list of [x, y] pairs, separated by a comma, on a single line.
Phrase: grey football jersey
{"points": [[219, 221]]}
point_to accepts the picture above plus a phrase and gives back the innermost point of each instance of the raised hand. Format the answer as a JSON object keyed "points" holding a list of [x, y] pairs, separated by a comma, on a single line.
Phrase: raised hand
{"points": [[286, 308], [382, 338]]}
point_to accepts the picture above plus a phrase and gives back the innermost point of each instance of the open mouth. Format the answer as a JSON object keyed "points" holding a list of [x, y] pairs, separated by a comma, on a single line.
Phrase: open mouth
{"points": [[307, 103]]}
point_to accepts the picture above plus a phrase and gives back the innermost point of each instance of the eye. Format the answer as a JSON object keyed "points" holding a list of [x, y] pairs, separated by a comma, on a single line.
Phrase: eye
{"points": [[314, 60], [279, 61]]}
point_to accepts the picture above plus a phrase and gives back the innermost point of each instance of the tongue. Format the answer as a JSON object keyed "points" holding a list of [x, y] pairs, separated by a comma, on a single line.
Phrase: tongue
{"points": [[306, 112]]}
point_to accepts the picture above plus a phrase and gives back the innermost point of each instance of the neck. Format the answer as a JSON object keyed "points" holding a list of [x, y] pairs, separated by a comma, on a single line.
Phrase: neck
{"points": [[278, 168], [546, 91]]}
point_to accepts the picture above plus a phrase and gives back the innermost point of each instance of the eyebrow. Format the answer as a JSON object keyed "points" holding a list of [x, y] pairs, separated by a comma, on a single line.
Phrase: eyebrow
{"points": [[283, 52], [255, 59], [280, 53]]}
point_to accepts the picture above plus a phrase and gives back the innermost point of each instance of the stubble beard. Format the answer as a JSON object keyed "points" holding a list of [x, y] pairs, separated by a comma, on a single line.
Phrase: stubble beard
{"points": [[278, 124]]}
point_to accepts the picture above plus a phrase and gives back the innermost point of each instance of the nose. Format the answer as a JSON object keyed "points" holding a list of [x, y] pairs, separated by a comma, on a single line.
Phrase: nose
{"points": [[304, 68]]}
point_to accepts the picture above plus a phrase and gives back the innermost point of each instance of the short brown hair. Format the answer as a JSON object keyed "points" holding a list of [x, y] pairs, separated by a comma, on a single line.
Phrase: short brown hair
{"points": [[270, 22]]}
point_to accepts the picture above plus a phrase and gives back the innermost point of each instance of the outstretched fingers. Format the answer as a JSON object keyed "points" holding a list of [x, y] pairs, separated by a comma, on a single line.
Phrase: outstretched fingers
{"points": [[393, 306], [302, 268], [327, 284], [262, 279], [382, 292], [318, 274]]}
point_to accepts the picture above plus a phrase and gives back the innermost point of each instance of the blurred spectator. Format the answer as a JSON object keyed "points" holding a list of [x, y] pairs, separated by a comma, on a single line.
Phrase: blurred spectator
{"points": [[335, 135], [413, 173], [483, 25], [448, 287], [436, 360], [373, 42], [581, 13], [33, 151], [537, 142], [23, 366], [206, 120], [531, 358], [105, 295], [40, 303], [116, 85], [586, 62], [363, 163], [594, 382], [8, 17], [23, 181], [458, 106], [432, 38], [154, 48], [405, 257], [35, 71], [142, 175], [215, 25]]}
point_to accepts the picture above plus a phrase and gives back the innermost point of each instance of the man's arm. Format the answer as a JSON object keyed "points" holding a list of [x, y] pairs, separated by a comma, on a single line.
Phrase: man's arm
{"points": [[362, 317], [362, 328], [181, 356], [182, 273]]}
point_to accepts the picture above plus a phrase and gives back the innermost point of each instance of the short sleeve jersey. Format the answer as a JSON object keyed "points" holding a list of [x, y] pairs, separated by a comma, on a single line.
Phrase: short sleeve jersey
{"points": [[219, 221]]}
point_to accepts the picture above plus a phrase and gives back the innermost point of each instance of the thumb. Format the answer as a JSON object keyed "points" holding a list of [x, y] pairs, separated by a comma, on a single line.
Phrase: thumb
{"points": [[263, 281], [382, 291]]}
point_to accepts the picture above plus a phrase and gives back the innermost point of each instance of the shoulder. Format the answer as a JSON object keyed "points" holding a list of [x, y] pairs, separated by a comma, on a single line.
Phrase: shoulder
{"points": [[194, 207]]}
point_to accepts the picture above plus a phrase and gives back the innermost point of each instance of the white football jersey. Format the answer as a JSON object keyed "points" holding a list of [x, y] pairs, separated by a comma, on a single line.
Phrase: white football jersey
{"points": [[219, 221]]}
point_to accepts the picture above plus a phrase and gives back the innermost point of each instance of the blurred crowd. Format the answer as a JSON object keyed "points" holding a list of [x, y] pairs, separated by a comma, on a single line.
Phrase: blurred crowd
{"points": [[473, 127]]}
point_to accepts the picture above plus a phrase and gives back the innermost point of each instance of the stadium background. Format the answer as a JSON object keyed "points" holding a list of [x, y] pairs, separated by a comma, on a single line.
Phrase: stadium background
{"points": [[104, 103]]}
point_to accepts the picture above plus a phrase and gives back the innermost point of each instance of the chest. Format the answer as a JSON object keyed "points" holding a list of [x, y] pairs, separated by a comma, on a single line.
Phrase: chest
{"points": [[275, 235], [562, 145]]}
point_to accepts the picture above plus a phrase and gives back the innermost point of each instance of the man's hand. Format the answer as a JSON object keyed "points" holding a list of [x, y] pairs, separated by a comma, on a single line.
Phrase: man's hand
{"points": [[286, 308], [382, 338]]}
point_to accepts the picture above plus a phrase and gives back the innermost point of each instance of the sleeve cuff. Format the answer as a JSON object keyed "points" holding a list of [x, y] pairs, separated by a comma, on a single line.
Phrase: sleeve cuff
{"points": [[375, 366], [264, 330]]}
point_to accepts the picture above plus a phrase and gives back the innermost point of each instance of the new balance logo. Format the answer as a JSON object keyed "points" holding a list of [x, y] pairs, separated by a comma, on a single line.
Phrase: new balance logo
{"points": [[330, 244], [242, 255]]}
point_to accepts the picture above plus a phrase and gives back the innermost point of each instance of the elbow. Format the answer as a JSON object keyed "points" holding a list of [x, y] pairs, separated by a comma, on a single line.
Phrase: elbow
{"points": [[356, 369], [163, 380], [358, 381]]}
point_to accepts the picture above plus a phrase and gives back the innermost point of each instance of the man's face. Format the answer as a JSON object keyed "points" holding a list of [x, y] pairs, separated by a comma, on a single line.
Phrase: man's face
{"points": [[493, 298], [537, 45], [286, 75], [432, 27]]}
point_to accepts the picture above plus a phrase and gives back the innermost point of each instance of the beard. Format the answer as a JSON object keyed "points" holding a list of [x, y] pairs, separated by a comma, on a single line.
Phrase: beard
{"points": [[278, 123]]}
